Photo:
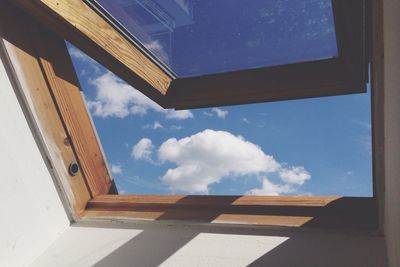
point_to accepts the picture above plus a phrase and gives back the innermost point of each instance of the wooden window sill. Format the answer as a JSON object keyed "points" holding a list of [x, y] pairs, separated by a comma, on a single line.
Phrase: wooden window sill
{"points": [[308, 212]]}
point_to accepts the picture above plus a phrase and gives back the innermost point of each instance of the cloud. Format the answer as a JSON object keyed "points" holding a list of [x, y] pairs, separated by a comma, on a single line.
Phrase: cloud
{"points": [[176, 127], [217, 111], [364, 138], [271, 189], [115, 98], [77, 54], [156, 125], [291, 178], [157, 48], [178, 114], [363, 124], [294, 175], [116, 169], [207, 157], [261, 124], [143, 150], [220, 113], [245, 120]]}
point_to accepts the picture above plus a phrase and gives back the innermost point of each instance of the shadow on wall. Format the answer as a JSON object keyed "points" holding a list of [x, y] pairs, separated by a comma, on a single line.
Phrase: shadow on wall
{"points": [[214, 246]]}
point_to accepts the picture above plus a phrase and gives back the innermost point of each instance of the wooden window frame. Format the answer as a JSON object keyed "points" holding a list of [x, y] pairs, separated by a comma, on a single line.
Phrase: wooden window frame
{"points": [[90, 30], [47, 82]]}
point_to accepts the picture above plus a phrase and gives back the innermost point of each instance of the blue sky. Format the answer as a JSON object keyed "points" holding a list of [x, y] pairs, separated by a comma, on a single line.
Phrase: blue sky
{"points": [[195, 37], [318, 146]]}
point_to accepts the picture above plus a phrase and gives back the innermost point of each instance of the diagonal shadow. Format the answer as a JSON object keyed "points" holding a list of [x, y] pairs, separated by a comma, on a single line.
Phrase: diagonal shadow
{"points": [[154, 246]]}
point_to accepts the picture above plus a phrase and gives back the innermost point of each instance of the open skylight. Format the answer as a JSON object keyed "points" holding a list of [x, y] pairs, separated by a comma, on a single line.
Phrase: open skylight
{"points": [[317, 146], [200, 37]]}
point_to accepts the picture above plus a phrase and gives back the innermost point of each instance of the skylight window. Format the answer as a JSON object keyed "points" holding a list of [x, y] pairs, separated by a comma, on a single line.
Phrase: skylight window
{"points": [[197, 37], [304, 147]]}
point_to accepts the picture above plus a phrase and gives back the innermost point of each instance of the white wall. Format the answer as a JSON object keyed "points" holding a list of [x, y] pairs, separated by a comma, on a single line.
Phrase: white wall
{"points": [[32, 215], [154, 245], [392, 128]]}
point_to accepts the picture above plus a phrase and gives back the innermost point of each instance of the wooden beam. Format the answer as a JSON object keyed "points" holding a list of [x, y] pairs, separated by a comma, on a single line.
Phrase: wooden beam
{"points": [[64, 86], [203, 201], [308, 212], [36, 94], [76, 20], [293, 81]]}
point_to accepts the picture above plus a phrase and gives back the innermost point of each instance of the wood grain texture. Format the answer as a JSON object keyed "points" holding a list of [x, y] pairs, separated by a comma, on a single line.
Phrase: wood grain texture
{"points": [[36, 93], [309, 212], [64, 86], [212, 201], [77, 13], [84, 19]]}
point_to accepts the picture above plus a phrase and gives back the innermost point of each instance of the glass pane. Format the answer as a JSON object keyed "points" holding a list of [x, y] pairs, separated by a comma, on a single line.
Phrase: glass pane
{"points": [[319, 146], [197, 37]]}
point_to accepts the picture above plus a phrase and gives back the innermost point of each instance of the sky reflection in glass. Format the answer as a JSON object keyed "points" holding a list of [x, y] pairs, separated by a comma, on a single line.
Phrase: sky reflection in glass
{"points": [[198, 37]]}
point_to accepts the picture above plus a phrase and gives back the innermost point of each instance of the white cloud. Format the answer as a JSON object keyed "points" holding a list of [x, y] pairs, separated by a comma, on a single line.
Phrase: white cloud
{"points": [[116, 169], [363, 124], [294, 175], [217, 111], [207, 157], [154, 45], [261, 124], [77, 54], [157, 125], [176, 127], [292, 178], [157, 48], [245, 120], [143, 150], [220, 113], [115, 98], [178, 114], [270, 189]]}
